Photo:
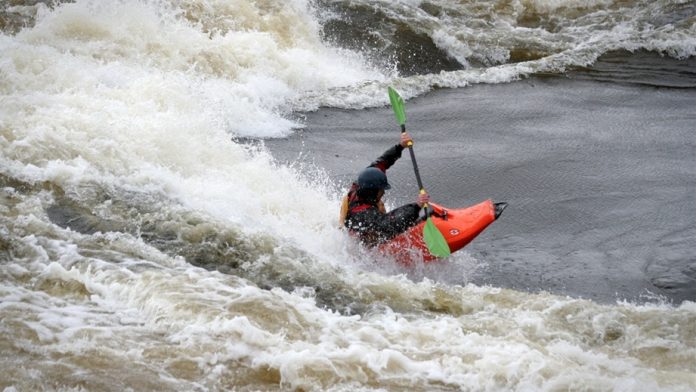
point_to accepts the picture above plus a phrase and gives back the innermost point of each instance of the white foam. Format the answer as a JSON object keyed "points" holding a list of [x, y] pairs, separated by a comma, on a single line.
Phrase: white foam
{"points": [[503, 340], [136, 99], [127, 103]]}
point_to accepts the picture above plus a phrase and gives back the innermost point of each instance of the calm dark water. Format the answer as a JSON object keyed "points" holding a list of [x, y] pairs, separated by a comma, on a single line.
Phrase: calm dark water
{"points": [[599, 177]]}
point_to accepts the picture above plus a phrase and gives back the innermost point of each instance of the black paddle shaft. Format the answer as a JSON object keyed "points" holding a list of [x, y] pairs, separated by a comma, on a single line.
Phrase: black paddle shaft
{"points": [[415, 169], [413, 159]]}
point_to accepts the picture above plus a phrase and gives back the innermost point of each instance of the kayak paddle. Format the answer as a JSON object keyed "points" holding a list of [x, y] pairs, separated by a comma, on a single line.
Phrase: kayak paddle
{"points": [[434, 240]]}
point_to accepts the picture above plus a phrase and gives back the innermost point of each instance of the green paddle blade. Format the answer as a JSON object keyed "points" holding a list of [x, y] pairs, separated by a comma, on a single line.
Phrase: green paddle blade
{"points": [[398, 105], [434, 240]]}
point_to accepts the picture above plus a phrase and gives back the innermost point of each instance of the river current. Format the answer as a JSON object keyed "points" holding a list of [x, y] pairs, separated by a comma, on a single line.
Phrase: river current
{"points": [[151, 240]]}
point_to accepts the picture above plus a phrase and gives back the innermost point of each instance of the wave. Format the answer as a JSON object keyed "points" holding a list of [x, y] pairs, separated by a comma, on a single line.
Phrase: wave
{"points": [[76, 309], [260, 61], [454, 44], [123, 113], [141, 247]]}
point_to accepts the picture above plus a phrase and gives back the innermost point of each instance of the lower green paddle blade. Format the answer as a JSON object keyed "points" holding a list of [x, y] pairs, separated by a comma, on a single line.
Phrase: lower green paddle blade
{"points": [[437, 245]]}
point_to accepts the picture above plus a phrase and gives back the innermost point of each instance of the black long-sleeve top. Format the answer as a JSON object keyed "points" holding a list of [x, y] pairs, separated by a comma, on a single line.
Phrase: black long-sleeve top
{"points": [[367, 217]]}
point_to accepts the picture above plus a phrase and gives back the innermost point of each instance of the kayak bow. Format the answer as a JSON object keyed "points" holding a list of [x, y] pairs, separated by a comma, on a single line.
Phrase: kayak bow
{"points": [[459, 226]]}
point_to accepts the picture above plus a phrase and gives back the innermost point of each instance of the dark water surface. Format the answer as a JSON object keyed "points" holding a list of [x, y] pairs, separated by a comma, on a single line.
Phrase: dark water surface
{"points": [[599, 177]]}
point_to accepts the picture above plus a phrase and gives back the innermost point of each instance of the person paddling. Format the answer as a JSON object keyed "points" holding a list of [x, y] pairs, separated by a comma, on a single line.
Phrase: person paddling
{"points": [[362, 211]]}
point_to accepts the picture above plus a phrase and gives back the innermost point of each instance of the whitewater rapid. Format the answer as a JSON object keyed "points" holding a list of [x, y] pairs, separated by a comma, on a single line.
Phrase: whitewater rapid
{"points": [[145, 246]]}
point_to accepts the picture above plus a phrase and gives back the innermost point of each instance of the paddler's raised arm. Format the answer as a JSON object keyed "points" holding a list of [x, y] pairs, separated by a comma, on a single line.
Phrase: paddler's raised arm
{"points": [[389, 157]]}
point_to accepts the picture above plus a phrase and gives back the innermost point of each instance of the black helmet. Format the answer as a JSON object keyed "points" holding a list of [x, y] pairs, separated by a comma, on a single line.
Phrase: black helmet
{"points": [[373, 178]]}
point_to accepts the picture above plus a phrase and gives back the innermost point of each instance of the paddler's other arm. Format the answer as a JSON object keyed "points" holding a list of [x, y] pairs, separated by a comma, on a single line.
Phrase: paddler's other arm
{"points": [[395, 222]]}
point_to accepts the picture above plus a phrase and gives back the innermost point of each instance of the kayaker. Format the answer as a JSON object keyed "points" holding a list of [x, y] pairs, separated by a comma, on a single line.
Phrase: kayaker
{"points": [[363, 213]]}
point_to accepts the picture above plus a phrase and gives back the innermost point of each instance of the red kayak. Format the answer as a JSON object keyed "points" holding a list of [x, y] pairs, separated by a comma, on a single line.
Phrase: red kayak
{"points": [[459, 226]]}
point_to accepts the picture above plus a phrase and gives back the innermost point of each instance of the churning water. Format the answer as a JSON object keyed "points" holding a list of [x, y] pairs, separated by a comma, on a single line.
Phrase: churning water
{"points": [[143, 246]]}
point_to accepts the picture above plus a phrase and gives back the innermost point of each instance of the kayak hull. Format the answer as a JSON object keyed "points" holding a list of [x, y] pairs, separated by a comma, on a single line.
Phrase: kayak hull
{"points": [[459, 226]]}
